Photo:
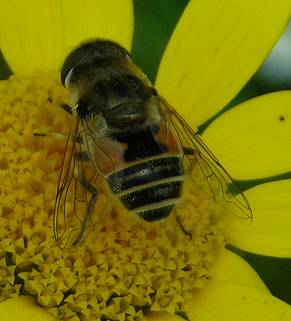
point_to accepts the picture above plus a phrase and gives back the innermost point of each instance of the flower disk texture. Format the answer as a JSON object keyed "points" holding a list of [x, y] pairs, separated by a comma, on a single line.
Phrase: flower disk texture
{"points": [[125, 266]]}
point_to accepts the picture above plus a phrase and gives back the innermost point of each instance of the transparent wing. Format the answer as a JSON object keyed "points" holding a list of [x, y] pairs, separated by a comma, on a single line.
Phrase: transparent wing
{"points": [[81, 198], [203, 167]]}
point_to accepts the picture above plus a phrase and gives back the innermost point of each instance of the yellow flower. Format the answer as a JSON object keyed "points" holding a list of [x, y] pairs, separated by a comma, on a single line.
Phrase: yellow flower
{"points": [[214, 50]]}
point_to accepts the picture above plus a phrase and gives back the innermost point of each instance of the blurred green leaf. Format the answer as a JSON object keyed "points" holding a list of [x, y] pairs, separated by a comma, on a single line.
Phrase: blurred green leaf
{"points": [[276, 272], [154, 23], [5, 71]]}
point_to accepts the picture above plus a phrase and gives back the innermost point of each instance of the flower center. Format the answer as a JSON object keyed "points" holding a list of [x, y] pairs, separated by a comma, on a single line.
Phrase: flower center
{"points": [[124, 267]]}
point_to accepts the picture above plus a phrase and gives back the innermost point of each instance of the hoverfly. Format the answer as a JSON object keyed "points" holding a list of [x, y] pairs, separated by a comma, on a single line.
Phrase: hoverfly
{"points": [[128, 143]]}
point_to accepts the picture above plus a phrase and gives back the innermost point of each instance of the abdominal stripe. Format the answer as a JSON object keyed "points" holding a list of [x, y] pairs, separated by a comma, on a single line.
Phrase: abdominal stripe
{"points": [[150, 188]]}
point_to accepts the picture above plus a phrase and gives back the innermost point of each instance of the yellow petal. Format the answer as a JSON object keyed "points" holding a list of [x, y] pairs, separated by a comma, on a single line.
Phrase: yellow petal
{"points": [[215, 49], [252, 140], [23, 308], [230, 268], [270, 231], [38, 34], [229, 302]]}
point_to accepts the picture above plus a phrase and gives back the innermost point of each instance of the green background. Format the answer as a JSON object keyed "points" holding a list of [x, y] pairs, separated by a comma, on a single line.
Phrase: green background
{"points": [[154, 23]]}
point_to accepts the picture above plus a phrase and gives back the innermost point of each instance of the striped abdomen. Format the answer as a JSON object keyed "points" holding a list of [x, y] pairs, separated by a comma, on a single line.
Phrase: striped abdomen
{"points": [[152, 185], [150, 188]]}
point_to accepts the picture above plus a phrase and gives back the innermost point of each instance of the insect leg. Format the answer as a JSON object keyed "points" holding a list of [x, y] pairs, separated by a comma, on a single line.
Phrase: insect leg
{"points": [[188, 151], [66, 108], [93, 199], [181, 225]]}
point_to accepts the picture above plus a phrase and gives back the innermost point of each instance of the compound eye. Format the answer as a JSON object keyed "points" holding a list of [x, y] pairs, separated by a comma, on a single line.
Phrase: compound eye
{"points": [[71, 61], [90, 54]]}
